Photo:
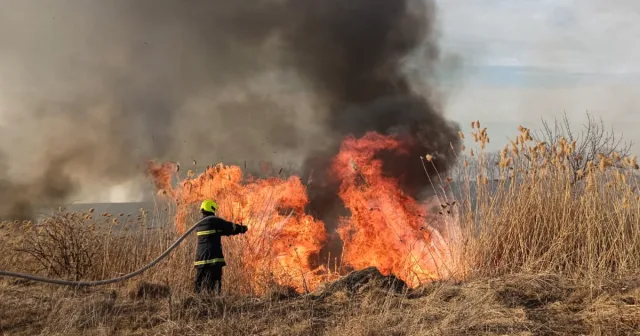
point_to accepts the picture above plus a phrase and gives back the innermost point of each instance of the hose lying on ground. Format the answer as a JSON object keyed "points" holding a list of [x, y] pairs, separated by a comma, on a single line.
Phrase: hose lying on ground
{"points": [[106, 281]]}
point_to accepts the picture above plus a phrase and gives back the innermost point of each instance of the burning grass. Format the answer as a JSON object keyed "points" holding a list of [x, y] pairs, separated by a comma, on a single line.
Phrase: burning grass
{"points": [[542, 239]]}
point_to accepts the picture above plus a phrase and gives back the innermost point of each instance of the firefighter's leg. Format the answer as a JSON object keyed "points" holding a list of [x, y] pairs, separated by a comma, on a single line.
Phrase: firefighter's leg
{"points": [[199, 279], [216, 275], [208, 282], [211, 279]]}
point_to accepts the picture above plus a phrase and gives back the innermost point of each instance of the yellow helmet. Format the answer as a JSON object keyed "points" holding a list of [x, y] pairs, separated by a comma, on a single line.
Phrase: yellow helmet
{"points": [[209, 206]]}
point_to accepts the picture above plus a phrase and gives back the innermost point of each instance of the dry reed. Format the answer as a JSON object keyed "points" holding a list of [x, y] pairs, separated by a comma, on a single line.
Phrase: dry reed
{"points": [[548, 246]]}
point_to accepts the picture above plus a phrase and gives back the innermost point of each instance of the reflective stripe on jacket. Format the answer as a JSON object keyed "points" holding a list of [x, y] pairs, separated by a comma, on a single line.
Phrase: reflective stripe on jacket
{"points": [[209, 262]]}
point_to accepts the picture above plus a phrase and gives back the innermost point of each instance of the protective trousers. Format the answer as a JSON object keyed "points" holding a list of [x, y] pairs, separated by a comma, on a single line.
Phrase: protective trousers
{"points": [[209, 278]]}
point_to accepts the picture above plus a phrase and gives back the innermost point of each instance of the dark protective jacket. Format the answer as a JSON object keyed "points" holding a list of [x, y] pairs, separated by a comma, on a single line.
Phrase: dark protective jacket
{"points": [[210, 232]]}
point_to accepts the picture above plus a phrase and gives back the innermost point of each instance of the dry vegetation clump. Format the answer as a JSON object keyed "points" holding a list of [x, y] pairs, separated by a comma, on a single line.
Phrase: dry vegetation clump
{"points": [[78, 246], [550, 229], [539, 215]]}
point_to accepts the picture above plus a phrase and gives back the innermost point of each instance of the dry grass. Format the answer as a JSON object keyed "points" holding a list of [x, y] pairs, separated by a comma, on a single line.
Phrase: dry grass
{"points": [[508, 305], [551, 248], [540, 219]]}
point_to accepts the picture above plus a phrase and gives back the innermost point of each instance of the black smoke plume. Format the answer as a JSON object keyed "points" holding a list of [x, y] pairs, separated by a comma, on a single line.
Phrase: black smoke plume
{"points": [[90, 90], [354, 54]]}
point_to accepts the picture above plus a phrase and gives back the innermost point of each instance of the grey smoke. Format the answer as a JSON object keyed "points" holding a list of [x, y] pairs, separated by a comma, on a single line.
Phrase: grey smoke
{"points": [[91, 90]]}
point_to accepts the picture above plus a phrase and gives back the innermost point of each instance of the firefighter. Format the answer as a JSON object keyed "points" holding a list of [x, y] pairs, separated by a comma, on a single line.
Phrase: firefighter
{"points": [[209, 258]]}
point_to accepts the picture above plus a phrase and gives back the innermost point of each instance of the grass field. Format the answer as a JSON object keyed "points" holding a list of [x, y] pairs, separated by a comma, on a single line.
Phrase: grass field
{"points": [[549, 246]]}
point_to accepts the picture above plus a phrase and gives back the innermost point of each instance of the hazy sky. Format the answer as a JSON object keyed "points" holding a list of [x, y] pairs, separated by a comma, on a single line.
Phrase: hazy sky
{"points": [[528, 59]]}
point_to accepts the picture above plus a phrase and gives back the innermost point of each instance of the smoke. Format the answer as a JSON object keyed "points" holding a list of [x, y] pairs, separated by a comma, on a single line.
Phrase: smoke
{"points": [[91, 90], [355, 53]]}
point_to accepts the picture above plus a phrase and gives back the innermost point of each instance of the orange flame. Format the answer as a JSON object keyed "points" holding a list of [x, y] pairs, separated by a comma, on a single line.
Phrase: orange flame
{"points": [[281, 239], [386, 229], [162, 175]]}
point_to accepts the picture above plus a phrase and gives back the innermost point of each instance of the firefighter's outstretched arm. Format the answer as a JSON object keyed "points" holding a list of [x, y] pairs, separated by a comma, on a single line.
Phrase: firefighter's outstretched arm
{"points": [[232, 229]]}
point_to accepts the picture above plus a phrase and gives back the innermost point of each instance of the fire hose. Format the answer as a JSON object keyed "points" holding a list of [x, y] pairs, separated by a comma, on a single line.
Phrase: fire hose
{"points": [[106, 281]]}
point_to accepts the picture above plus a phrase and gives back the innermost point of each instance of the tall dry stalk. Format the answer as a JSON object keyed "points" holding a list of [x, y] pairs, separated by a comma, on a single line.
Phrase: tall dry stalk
{"points": [[536, 218]]}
